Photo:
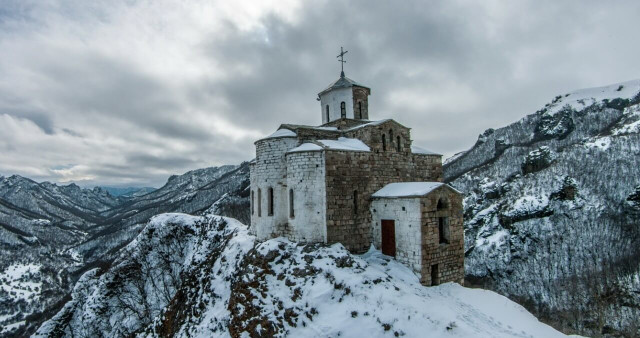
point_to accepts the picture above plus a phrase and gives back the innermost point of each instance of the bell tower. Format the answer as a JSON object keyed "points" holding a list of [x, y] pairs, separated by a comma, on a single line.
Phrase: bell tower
{"points": [[344, 98]]}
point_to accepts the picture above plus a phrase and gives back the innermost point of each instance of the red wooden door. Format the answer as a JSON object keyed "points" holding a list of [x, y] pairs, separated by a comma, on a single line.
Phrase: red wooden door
{"points": [[388, 237]]}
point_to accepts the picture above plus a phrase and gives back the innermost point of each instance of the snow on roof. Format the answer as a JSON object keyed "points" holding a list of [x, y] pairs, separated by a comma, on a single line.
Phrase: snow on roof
{"points": [[281, 133], [420, 150], [583, 98], [407, 189], [371, 123], [305, 147], [343, 143]]}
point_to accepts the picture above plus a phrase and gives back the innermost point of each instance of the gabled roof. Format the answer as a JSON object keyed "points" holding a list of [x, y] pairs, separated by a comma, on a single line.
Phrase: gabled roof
{"points": [[342, 82], [341, 144], [409, 189]]}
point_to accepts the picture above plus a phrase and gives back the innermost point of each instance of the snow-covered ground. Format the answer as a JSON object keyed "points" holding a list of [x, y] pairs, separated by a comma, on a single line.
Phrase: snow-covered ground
{"points": [[20, 282], [232, 285]]}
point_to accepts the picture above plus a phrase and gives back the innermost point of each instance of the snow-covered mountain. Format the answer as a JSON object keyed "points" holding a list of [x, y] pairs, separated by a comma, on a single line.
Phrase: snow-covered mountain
{"points": [[50, 234], [207, 277], [38, 223], [552, 214], [552, 210]]}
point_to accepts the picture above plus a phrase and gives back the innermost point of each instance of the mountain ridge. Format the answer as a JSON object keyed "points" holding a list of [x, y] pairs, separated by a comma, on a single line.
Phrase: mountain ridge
{"points": [[58, 240], [552, 193]]}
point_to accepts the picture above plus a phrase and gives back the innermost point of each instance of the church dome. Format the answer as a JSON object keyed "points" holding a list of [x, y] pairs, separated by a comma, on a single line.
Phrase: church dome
{"points": [[342, 82]]}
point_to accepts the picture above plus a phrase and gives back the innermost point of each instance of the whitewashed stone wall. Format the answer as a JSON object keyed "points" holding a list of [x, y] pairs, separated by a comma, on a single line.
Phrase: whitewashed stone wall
{"points": [[407, 228], [306, 176], [268, 171], [333, 99]]}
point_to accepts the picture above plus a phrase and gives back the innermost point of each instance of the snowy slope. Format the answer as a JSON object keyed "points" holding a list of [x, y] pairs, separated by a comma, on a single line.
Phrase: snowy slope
{"points": [[550, 214], [221, 282]]}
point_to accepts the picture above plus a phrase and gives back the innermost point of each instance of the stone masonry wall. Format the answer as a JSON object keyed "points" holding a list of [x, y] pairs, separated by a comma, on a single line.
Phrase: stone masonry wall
{"points": [[270, 171], [406, 213], [345, 123], [367, 172], [306, 177], [372, 136], [449, 257], [360, 95]]}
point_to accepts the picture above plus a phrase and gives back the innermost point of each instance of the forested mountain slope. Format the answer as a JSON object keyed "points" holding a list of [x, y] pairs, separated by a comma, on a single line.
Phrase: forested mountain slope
{"points": [[552, 215], [50, 234]]}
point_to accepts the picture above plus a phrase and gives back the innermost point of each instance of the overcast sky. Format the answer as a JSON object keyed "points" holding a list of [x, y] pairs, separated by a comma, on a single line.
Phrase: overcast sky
{"points": [[130, 92]]}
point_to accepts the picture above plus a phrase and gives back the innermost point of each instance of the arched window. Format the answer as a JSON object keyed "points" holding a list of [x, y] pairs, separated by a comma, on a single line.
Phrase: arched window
{"points": [[360, 110], [384, 142], [355, 201], [270, 202], [252, 202], [398, 143], [327, 112], [442, 204], [291, 212], [259, 202], [391, 136], [443, 230], [343, 110]]}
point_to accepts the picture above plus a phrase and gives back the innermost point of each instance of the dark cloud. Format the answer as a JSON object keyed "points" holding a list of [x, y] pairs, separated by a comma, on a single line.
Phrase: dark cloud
{"points": [[40, 119], [135, 91]]}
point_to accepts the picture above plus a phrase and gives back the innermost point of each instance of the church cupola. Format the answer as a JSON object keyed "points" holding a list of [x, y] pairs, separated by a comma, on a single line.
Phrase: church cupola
{"points": [[344, 98]]}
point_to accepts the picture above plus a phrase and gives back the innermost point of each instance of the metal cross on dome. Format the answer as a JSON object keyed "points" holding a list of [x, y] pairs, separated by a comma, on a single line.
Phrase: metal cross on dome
{"points": [[342, 61]]}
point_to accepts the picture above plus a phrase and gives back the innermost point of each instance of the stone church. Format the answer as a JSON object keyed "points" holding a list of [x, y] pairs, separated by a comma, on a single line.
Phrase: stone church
{"points": [[358, 182]]}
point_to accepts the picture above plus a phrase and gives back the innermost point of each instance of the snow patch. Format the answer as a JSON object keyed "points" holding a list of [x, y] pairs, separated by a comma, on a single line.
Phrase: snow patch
{"points": [[343, 143], [281, 133], [420, 150], [601, 143], [306, 147], [407, 189], [527, 205], [583, 98]]}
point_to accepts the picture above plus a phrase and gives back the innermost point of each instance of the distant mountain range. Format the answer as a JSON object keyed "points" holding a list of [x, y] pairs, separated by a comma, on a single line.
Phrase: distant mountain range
{"points": [[55, 233]]}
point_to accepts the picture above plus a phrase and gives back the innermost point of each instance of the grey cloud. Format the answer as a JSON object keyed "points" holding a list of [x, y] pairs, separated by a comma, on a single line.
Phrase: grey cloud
{"points": [[40, 119], [167, 161], [490, 67]]}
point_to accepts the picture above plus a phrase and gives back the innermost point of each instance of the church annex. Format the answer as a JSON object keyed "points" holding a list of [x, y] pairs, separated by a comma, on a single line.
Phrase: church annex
{"points": [[358, 182]]}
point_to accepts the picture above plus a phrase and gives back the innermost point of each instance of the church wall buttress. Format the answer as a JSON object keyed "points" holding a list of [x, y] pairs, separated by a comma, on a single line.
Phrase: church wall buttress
{"points": [[360, 103], [306, 177], [270, 171]]}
